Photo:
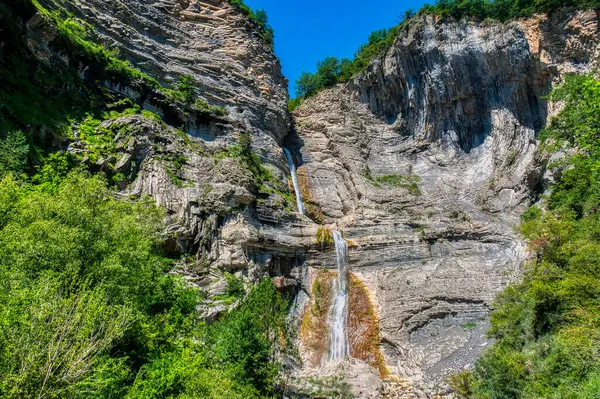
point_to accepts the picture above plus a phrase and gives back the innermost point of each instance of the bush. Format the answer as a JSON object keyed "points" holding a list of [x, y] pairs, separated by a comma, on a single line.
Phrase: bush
{"points": [[237, 356], [260, 17], [235, 286], [78, 269]]}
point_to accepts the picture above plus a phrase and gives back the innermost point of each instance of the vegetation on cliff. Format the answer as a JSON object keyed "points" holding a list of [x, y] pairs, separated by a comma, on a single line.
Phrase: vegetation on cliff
{"points": [[547, 327], [260, 17], [501, 10], [332, 71]]}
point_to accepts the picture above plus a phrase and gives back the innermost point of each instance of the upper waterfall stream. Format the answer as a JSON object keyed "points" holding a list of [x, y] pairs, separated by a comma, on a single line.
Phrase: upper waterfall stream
{"points": [[290, 161], [339, 348]]}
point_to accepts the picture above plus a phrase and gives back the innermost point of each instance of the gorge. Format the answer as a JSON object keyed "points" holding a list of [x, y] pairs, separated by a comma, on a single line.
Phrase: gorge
{"points": [[384, 207]]}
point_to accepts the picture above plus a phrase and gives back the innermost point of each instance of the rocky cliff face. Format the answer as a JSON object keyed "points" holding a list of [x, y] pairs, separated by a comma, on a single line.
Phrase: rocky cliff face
{"points": [[211, 41], [230, 208], [425, 161], [221, 213]]}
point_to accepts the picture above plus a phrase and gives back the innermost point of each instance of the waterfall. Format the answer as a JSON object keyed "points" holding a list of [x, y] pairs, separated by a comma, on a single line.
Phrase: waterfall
{"points": [[339, 348], [290, 161]]}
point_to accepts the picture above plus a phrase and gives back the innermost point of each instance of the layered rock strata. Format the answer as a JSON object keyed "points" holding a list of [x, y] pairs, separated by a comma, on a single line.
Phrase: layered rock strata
{"points": [[425, 161]]}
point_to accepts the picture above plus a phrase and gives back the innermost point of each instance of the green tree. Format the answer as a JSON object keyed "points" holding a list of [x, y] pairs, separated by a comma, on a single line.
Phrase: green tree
{"points": [[346, 70], [307, 84], [249, 339], [267, 31], [13, 152], [236, 358], [56, 344], [84, 297], [328, 71], [184, 89]]}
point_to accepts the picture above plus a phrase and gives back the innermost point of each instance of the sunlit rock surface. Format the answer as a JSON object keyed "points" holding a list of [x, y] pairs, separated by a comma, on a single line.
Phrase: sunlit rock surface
{"points": [[426, 161]]}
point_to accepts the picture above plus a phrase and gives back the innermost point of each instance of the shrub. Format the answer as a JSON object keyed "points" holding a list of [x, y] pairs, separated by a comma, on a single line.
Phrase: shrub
{"points": [[260, 17], [235, 286], [461, 383], [324, 237]]}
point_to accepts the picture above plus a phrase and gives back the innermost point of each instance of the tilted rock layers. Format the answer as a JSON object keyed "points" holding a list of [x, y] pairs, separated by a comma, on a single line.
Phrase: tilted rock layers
{"points": [[425, 161], [216, 209]]}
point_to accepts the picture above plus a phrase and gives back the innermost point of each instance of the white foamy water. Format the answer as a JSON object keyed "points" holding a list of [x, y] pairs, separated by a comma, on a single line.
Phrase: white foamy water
{"points": [[339, 348], [290, 161]]}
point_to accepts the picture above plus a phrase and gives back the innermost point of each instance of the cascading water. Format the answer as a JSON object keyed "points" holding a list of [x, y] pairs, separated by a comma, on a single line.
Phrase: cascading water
{"points": [[290, 161], [339, 348]]}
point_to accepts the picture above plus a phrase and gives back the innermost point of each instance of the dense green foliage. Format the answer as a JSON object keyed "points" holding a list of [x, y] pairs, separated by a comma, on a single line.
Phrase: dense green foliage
{"points": [[260, 17], [88, 308], [13, 152], [547, 328], [331, 70], [236, 360], [501, 10]]}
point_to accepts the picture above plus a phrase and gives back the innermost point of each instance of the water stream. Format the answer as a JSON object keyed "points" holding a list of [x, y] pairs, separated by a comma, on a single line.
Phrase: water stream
{"points": [[290, 161], [339, 348]]}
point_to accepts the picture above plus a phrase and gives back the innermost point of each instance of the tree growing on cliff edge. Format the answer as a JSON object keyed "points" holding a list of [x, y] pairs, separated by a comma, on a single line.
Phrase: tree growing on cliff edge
{"points": [[380, 41], [260, 17]]}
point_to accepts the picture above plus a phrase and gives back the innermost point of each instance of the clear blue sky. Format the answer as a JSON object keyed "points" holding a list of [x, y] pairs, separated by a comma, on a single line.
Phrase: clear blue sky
{"points": [[306, 31]]}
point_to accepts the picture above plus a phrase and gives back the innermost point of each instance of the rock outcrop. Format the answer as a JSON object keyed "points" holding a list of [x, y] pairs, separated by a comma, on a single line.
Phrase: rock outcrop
{"points": [[211, 41], [222, 177], [425, 161]]}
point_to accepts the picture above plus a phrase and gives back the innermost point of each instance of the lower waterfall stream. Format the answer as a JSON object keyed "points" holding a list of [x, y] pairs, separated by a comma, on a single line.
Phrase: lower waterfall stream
{"points": [[337, 320]]}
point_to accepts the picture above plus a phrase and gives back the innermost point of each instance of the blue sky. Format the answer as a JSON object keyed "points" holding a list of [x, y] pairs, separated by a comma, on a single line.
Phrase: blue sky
{"points": [[306, 31]]}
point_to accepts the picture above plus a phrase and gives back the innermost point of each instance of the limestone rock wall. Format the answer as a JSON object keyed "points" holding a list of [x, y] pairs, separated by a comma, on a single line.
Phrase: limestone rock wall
{"points": [[211, 41], [425, 161]]}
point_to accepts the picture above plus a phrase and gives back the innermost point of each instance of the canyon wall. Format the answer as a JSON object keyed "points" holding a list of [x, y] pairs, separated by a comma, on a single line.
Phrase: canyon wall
{"points": [[424, 161], [219, 213]]}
